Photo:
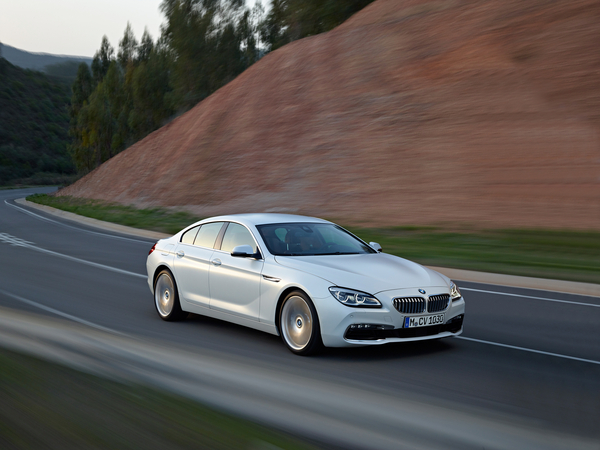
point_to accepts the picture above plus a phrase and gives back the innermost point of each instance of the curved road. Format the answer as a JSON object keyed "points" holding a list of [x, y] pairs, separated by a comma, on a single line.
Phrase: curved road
{"points": [[525, 373]]}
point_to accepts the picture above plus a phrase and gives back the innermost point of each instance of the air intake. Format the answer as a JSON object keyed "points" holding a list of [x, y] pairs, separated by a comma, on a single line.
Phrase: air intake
{"points": [[410, 305], [438, 303]]}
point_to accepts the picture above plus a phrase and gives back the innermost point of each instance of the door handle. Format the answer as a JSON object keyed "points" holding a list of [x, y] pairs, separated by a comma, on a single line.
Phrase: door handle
{"points": [[270, 278], [216, 262], [180, 253]]}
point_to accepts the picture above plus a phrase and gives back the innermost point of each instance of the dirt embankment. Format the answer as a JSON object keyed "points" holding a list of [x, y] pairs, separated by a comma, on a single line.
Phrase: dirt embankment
{"points": [[412, 112]]}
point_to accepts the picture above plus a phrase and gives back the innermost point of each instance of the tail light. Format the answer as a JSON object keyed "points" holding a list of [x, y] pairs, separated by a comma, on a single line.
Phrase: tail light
{"points": [[152, 249]]}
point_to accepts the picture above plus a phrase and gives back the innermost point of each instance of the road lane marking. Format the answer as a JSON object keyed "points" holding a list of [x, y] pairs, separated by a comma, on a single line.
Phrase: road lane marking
{"points": [[89, 263], [60, 313], [514, 347], [74, 227], [13, 241], [7, 238], [530, 296]]}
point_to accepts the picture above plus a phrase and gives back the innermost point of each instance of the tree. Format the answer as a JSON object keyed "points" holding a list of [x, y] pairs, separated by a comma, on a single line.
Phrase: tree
{"points": [[82, 86], [274, 28], [128, 47], [117, 100], [205, 46], [145, 47], [81, 89], [150, 89], [289, 20], [187, 34], [249, 32], [97, 118], [102, 60], [102, 122]]}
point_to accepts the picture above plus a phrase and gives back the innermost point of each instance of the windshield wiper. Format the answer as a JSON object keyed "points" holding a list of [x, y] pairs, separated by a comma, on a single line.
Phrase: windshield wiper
{"points": [[336, 253]]}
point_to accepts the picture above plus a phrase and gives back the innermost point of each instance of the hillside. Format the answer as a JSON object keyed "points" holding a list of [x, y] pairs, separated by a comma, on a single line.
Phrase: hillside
{"points": [[483, 112], [37, 61], [34, 124]]}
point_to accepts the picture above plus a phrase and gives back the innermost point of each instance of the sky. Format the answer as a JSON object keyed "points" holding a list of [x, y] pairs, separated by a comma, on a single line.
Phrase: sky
{"points": [[75, 27]]}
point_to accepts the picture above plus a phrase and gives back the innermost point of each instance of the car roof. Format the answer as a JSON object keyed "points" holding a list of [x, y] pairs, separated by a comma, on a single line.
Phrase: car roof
{"points": [[264, 218]]}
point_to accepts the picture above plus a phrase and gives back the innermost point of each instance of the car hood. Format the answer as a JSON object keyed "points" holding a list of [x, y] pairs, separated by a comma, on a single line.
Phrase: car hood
{"points": [[371, 272]]}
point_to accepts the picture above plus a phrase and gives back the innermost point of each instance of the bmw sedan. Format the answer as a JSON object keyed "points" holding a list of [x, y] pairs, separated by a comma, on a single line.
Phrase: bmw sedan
{"points": [[305, 279]]}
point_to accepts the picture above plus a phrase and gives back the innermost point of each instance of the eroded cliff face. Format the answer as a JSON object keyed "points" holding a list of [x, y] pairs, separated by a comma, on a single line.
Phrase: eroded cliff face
{"points": [[484, 112]]}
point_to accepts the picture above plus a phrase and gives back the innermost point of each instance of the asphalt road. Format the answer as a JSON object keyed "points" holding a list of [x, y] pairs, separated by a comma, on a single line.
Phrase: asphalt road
{"points": [[527, 359]]}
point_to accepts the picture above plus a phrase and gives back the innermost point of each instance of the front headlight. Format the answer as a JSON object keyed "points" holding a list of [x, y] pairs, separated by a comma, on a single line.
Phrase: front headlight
{"points": [[454, 291], [350, 297]]}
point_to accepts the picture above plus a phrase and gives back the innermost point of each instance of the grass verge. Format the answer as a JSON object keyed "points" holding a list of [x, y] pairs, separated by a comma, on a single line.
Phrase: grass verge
{"points": [[563, 255], [45, 405], [155, 219]]}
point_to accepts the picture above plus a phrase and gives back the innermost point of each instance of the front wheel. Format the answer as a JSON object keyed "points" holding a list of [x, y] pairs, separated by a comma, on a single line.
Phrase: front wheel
{"points": [[299, 324], [166, 298]]}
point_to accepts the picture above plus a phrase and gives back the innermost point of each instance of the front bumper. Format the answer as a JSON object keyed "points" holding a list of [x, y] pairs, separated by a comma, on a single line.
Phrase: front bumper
{"points": [[368, 332], [342, 326]]}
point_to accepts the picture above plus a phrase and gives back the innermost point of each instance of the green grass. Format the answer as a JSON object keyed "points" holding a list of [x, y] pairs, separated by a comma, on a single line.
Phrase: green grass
{"points": [[45, 405], [566, 255], [155, 219]]}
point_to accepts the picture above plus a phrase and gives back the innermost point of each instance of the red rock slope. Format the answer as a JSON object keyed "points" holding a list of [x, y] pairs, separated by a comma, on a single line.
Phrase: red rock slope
{"points": [[412, 112]]}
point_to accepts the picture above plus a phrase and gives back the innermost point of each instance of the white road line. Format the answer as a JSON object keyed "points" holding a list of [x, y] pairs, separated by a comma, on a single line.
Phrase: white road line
{"points": [[89, 263], [13, 241], [514, 347], [73, 227], [530, 296], [60, 313], [21, 243]]}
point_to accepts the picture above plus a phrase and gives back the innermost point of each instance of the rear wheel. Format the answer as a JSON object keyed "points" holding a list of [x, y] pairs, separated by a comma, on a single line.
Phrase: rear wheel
{"points": [[166, 298], [299, 324]]}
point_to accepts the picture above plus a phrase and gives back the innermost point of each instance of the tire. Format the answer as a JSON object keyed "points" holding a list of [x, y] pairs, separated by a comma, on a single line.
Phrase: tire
{"points": [[299, 324], [166, 298]]}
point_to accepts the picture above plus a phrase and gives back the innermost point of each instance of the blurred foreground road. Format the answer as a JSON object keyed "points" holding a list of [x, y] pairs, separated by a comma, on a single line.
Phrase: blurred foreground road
{"points": [[525, 373]]}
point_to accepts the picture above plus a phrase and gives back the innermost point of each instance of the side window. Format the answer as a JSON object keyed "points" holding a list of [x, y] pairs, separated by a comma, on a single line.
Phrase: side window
{"points": [[235, 235], [189, 236], [207, 235]]}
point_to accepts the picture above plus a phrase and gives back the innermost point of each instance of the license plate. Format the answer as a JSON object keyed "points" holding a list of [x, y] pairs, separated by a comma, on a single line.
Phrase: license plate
{"points": [[423, 321]]}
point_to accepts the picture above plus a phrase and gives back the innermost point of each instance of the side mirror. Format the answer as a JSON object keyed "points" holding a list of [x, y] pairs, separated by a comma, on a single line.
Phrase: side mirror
{"points": [[376, 246], [244, 251]]}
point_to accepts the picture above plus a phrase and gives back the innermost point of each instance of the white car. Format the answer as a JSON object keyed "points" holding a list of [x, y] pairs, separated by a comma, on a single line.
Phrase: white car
{"points": [[305, 279]]}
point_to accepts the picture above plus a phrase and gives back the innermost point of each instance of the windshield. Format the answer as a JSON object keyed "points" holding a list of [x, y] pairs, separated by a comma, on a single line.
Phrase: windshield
{"points": [[310, 239]]}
